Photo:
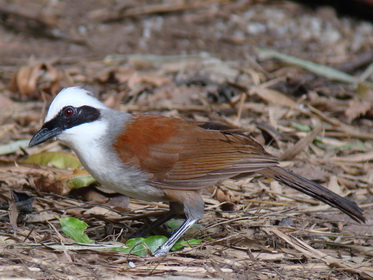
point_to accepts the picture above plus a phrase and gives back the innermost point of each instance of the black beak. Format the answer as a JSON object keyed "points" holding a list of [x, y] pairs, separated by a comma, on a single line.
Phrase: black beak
{"points": [[43, 135]]}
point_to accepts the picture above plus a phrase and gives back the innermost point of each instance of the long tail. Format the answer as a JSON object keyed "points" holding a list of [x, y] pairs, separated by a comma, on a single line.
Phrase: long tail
{"points": [[315, 190]]}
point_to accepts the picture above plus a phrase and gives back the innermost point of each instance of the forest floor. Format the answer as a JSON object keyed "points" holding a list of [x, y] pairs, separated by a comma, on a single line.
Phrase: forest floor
{"points": [[198, 60]]}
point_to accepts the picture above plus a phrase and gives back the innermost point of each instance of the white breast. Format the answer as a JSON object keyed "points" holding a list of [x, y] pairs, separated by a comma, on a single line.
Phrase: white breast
{"points": [[89, 142]]}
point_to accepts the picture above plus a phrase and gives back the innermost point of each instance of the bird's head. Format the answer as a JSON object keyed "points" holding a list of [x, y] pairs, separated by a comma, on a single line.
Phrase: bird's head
{"points": [[73, 116]]}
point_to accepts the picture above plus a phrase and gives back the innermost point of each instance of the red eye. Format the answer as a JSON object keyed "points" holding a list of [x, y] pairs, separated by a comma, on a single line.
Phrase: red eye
{"points": [[68, 112]]}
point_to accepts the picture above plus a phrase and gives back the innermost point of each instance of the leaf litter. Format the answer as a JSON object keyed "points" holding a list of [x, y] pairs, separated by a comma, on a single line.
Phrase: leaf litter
{"points": [[253, 228]]}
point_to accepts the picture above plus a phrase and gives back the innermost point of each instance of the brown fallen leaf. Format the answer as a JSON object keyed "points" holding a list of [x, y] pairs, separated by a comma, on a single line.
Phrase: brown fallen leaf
{"points": [[359, 157], [362, 271], [225, 196], [301, 145], [119, 202], [32, 79], [48, 183], [138, 78], [5, 101], [273, 96], [102, 211], [357, 108], [47, 179], [13, 215], [334, 186], [91, 194]]}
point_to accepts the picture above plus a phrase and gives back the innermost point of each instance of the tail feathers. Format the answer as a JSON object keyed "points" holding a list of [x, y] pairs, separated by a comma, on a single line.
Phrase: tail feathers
{"points": [[315, 190]]}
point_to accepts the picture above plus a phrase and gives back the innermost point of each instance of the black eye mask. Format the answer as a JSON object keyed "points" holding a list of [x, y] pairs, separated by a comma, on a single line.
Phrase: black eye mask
{"points": [[67, 118]]}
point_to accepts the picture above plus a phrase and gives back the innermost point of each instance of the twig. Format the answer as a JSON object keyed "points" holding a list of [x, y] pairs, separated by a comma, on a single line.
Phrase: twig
{"points": [[161, 9], [363, 271], [301, 145]]}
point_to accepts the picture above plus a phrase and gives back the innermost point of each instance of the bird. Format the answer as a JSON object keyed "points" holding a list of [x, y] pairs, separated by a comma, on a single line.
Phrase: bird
{"points": [[165, 159]]}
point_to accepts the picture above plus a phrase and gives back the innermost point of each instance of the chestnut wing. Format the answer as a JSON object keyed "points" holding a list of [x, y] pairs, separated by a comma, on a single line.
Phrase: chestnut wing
{"points": [[185, 155]]}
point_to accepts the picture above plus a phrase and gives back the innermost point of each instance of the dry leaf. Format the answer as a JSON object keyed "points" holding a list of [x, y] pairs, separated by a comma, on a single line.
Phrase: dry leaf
{"points": [[138, 78], [334, 186], [226, 196], [101, 211], [171, 95], [30, 79], [360, 157], [273, 96], [40, 217], [276, 187], [48, 183], [357, 108], [119, 202], [5, 101], [301, 145], [311, 252], [13, 215], [91, 195]]}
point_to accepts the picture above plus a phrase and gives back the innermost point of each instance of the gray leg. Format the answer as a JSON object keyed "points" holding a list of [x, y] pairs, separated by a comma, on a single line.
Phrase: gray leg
{"points": [[166, 247], [193, 207]]}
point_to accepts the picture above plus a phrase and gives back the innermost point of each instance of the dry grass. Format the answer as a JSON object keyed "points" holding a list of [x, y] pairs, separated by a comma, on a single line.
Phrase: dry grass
{"points": [[259, 229]]}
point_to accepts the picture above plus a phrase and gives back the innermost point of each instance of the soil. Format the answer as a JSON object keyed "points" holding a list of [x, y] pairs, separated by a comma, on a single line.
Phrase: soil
{"points": [[198, 60]]}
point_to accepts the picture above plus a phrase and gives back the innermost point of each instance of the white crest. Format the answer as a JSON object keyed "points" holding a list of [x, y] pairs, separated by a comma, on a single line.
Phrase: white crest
{"points": [[72, 96]]}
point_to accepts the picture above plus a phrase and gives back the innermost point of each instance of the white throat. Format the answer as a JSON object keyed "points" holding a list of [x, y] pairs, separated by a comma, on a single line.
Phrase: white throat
{"points": [[85, 137], [92, 140]]}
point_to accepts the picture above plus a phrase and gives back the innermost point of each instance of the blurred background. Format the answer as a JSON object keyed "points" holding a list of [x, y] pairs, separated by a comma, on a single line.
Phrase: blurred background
{"points": [[296, 75]]}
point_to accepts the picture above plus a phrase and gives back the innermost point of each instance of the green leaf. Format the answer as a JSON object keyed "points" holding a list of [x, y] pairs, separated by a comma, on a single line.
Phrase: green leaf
{"points": [[59, 160], [79, 181], [186, 243], [75, 228], [142, 246], [319, 69], [175, 224], [301, 127], [80, 178], [331, 143], [13, 147]]}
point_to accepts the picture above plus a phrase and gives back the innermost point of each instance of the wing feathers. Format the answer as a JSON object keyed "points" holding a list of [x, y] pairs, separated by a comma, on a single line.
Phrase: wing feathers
{"points": [[183, 155]]}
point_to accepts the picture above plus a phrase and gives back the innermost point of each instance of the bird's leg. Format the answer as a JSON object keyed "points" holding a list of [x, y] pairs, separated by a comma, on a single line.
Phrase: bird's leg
{"points": [[166, 247], [193, 207], [154, 225], [175, 210]]}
